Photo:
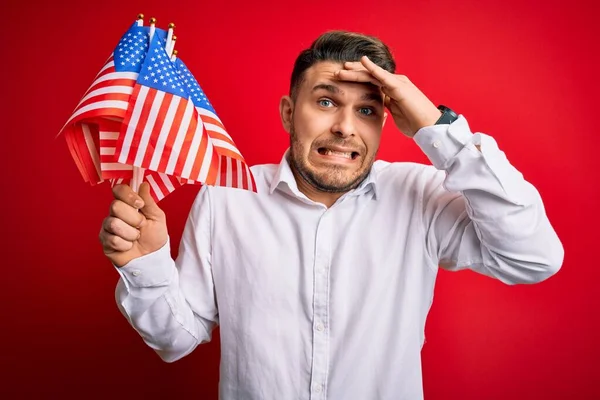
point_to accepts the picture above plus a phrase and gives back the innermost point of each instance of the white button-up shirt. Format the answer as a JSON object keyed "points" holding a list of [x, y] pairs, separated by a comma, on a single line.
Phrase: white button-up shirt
{"points": [[330, 303]]}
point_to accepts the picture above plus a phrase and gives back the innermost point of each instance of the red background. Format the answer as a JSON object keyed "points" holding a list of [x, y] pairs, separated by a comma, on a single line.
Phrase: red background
{"points": [[523, 72]]}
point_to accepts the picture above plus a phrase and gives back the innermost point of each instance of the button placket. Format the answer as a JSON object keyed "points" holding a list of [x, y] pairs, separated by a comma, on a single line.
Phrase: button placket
{"points": [[320, 364]]}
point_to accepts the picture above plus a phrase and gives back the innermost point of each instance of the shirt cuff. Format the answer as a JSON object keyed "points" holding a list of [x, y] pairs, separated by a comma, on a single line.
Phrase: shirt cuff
{"points": [[441, 143], [151, 270]]}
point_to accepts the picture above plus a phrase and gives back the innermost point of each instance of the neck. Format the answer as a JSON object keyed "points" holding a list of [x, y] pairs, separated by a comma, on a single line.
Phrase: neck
{"points": [[326, 198]]}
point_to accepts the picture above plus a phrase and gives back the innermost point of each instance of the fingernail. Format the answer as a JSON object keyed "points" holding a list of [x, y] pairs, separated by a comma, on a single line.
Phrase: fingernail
{"points": [[138, 204]]}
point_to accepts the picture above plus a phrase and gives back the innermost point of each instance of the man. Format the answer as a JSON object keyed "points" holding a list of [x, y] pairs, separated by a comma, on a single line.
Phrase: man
{"points": [[322, 281]]}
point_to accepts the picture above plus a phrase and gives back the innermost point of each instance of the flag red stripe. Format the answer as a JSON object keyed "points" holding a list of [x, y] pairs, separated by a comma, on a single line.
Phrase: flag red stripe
{"points": [[172, 136], [185, 146], [199, 157], [139, 128], [153, 139]]}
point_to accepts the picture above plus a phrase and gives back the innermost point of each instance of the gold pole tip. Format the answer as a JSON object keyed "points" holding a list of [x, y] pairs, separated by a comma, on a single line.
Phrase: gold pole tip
{"points": [[171, 25], [152, 20], [174, 38], [175, 52], [140, 16]]}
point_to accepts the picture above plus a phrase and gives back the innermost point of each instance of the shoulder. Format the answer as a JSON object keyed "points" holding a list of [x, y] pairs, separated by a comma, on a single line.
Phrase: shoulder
{"points": [[405, 173]]}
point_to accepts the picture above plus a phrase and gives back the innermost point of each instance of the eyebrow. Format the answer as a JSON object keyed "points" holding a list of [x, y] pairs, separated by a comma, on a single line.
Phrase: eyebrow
{"points": [[369, 96]]}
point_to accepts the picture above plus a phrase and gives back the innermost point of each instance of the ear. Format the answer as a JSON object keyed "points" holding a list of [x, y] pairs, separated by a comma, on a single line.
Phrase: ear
{"points": [[286, 109]]}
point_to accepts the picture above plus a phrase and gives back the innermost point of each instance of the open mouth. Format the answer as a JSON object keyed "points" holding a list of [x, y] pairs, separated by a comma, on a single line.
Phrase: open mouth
{"points": [[350, 155]]}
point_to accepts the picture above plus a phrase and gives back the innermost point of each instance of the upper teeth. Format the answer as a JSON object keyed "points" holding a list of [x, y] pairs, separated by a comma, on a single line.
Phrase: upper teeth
{"points": [[338, 153]]}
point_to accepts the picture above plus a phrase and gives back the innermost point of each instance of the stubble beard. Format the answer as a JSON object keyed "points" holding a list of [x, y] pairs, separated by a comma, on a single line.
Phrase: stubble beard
{"points": [[335, 179]]}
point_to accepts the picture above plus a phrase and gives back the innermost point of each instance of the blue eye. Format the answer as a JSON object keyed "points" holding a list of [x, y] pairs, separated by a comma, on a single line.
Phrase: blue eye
{"points": [[366, 111], [323, 101]]}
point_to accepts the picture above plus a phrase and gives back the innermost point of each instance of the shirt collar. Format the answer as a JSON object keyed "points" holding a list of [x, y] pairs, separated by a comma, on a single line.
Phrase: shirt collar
{"points": [[285, 177]]}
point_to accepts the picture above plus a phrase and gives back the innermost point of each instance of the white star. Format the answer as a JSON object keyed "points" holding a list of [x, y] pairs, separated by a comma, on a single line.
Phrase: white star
{"points": [[155, 80], [146, 77]]}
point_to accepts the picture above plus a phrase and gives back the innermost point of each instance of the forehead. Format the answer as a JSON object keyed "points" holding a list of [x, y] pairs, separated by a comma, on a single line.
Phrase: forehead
{"points": [[323, 73]]}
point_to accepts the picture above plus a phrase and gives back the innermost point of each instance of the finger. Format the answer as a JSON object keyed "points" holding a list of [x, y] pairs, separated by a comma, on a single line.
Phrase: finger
{"points": [[379, 73], [126, 194], [151, 209], [126, 213], [112, 243], [118, 227], [354, 65], [357, 76]]}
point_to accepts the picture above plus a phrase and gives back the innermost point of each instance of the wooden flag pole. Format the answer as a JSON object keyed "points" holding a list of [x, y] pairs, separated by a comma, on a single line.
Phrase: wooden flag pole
{"points": [[169, 44]]}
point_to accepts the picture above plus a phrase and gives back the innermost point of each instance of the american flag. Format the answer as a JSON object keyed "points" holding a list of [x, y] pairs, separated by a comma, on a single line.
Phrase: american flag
{"points": [[146, 117], [233, 170], [162, 131], [106, 100]]}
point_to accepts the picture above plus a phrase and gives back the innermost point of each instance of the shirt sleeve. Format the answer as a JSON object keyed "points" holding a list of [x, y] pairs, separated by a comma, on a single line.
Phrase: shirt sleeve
{"points": [[171, 304], [479, 211]]}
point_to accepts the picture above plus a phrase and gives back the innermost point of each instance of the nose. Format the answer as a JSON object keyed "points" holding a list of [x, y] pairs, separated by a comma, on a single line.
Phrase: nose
{"points": [[344, 125]]}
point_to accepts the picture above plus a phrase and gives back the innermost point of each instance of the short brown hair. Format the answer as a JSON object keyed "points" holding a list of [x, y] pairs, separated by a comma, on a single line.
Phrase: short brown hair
{"points": [[340, 46]]}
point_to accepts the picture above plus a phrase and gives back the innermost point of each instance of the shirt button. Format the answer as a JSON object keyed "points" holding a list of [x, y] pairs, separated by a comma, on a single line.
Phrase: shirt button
{"points": [[320, 327], [436, 144], [318, 388], [136, 272]]}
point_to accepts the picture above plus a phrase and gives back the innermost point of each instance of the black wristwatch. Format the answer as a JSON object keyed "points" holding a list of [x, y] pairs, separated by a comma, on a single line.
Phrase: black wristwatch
{"points": [[448, 116]]}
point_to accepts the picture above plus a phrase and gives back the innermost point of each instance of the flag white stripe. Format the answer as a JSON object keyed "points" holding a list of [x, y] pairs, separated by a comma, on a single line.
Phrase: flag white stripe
{"points": [[109, 135], [155, 187], [107, 90], [115, 167], [135, 117], [116, 75], [106, 66], [206, 162], [207, 113], [193, 150], [225, 145], [164, 133], [218, 129], [239, 174], [107, 151], [167, 182], [149, 127], [185, 123], [121, 105]]}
